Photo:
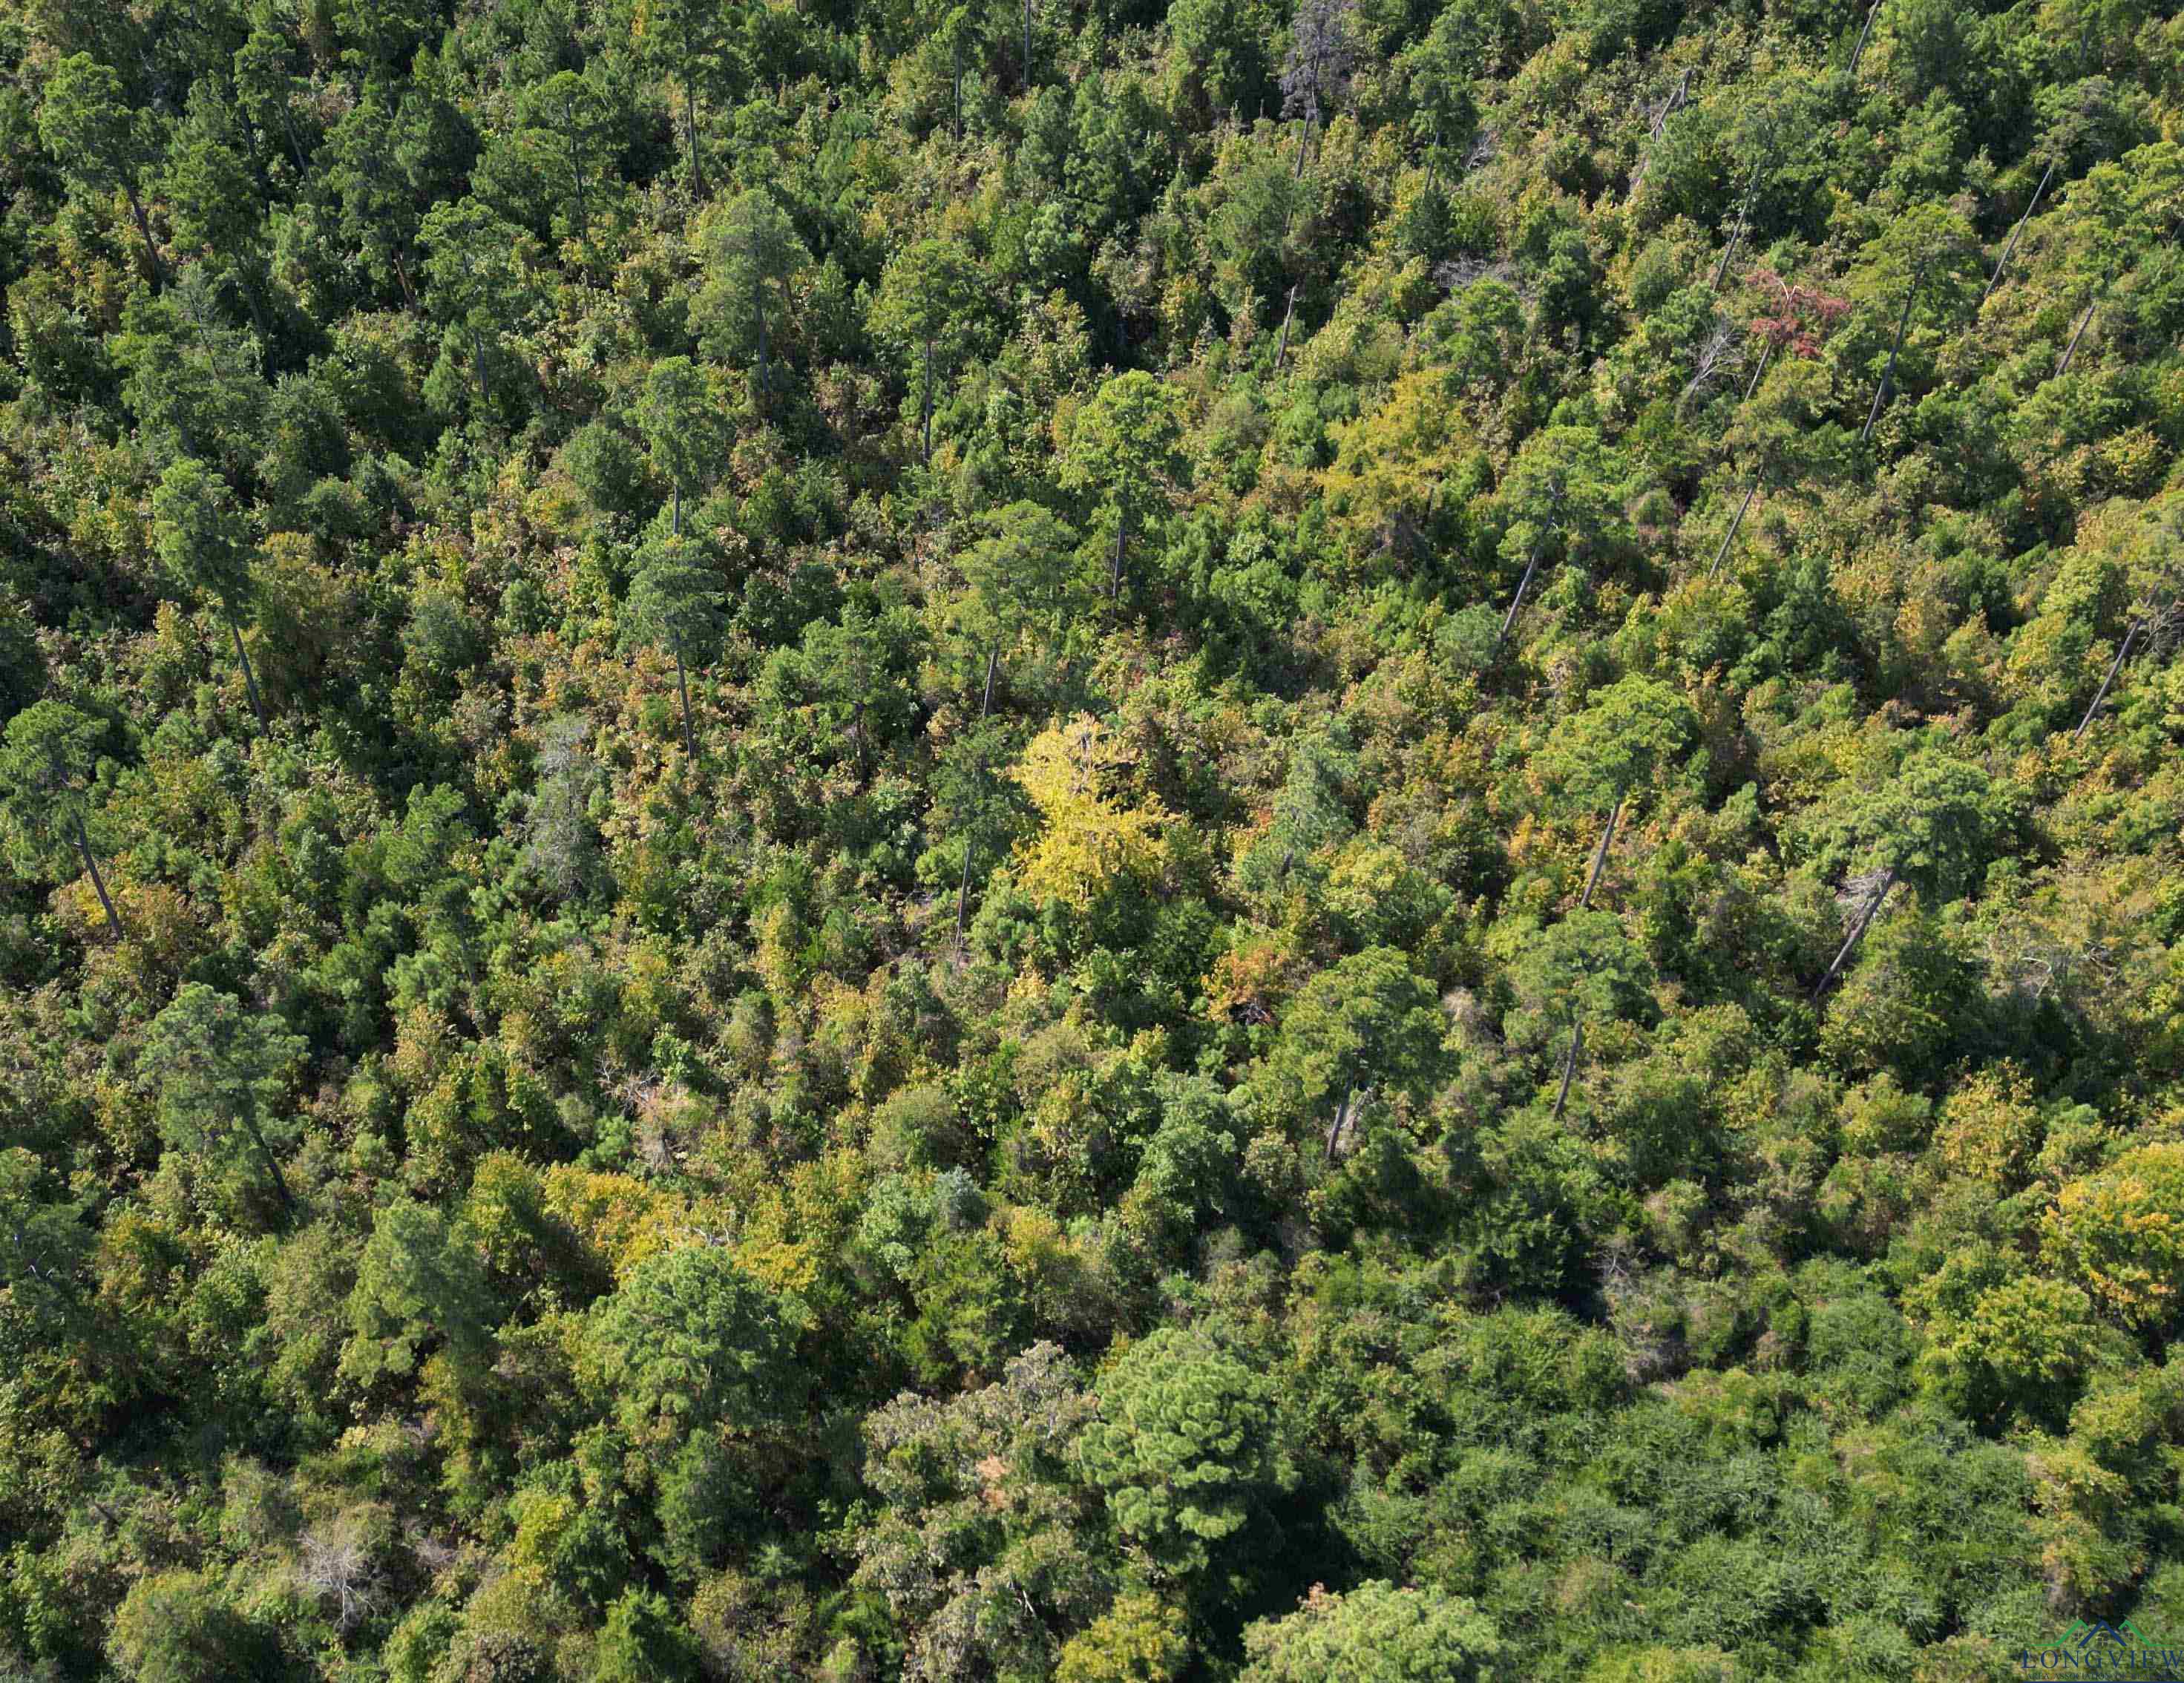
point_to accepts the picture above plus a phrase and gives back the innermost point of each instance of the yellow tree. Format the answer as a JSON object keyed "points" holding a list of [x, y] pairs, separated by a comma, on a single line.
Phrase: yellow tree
{"points": [[1091, 837]]}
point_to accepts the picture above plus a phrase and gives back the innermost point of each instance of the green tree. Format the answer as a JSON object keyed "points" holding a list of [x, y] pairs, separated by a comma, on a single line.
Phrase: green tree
{"points": [[418, 1281], [1584, 969], [1185, 1450], [644, 1642], [1125, 451], [568, 124], [1369, 1022], [222, 1071], [1600, 757], [1375, 1633], [47, 769], [184, 1627], [677, 602], [754, 252], [479, 273], [1022, 588], [1933, 824], [100, 140], [1561, 494], [204, 542], [926, 293], [693, 1342], [689, 39], [680, 424]]}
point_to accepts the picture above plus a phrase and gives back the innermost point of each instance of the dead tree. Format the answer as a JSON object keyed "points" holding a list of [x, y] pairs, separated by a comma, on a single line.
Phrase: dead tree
{"points": [[1858, 932]]}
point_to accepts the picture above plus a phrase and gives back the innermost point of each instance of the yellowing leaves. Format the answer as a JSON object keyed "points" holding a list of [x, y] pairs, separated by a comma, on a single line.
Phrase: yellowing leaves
{"points": [[2121, 1232], [1091, 837], [619, 1216]]}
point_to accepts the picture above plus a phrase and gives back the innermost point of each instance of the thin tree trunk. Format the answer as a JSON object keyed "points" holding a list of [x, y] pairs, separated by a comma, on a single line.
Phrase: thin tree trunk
{"points": [[926, 420], [1859, 52], [272, 1164], [2003, 262], [1736, 233], [1766, 350], [1304, 139], [477, 364], [2071, 349], [758, 301], [97, 882], [1569, 1064], [690, 116], [677, 530], [1343, 1112], [144, 230], [683, 683], [2101, 693], [1600, 854], [1722, 554], [402, 274], [249, 677], [1281, 344], [1531, 565], [1027, 23], [1858, 932], [1115, 578], [963, 889], [1888, 374]]}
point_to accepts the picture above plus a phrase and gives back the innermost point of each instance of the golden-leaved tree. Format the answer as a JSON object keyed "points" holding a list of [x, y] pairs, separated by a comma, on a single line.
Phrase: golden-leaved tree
{"points": [[1092, 835]]}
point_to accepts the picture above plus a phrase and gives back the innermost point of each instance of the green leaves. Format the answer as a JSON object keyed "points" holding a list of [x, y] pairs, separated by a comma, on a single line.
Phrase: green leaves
{"points": [[220, 1071], [691, 1343], [1376, 1633], [1184, 1450]]}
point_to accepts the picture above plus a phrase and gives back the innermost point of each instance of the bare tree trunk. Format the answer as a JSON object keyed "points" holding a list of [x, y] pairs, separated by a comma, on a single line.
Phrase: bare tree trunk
{"points": [[1722, 554], [1343, 1114], [1766, 350], [2101, 693], [249, 677], [1736, 233], [144, 230], [676, 529], [926, 419], [2003, 262], [1569, 1064], [1859, 52], [1858, 932], [97, 882], [1281, 344], [963, 889], [272, 1164], [758, 302], [1888, 374], [2071, 349], [682, 684], [1531, 565], [1600, 854]]}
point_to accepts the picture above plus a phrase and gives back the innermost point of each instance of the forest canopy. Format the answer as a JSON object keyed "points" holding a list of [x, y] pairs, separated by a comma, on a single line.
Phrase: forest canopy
{"points": [[1245, 841]]}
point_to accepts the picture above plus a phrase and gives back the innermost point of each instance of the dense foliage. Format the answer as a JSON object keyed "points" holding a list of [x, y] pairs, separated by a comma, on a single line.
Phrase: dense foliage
{"points": [[1017, 841]]}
